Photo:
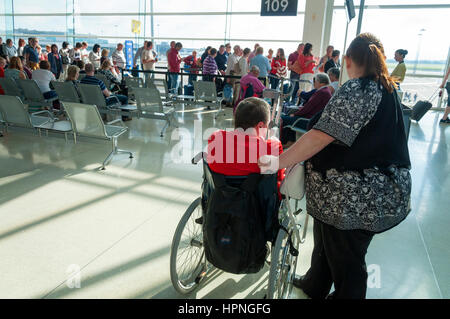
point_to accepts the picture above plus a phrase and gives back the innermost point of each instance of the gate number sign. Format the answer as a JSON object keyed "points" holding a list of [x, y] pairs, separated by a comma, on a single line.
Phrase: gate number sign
{"points": [[279, 7]]}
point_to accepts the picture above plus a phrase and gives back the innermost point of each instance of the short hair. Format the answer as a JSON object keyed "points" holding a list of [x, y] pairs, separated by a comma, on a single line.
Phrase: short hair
{"points": [[335, 72], [247, 51], [222, 46], [84, 43], [178, 45], [106, 64], [3, 60], [250, 112], [260, 50], [322, 78], [65, 44], [8, 41], [80, 64], [89, 68], [149, 44], [236, 47], [254, 69], [44, 65], [72, 72], [212, 51], [402, 52], [336, 53], [78, 45]]}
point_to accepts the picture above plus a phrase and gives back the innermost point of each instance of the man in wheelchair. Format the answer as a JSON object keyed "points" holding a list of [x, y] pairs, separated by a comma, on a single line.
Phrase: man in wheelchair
{"points": [[239, 204]]}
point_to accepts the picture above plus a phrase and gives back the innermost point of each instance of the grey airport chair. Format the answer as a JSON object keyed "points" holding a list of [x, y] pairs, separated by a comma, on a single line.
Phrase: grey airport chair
{"points": [[205, 94], [33, 95], [15, 113], [11, 87], [66, 91], [93, 95], [87, 121], [150, 105], [133, 82], [162, 86]]}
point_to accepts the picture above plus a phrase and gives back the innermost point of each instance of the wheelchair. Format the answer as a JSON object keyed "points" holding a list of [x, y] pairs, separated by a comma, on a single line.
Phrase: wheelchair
{"points": [[188, 263]]}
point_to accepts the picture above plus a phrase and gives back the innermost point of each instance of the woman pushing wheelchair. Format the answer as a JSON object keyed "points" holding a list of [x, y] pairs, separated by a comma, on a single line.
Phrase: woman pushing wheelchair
{"points": [[357, 163]]}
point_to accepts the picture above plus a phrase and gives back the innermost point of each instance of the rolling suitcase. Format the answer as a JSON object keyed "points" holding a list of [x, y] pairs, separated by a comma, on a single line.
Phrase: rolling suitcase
{"points": [[422, 107]]}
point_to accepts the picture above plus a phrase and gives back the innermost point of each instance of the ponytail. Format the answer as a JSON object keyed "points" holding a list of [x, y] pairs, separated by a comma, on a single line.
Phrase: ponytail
{"points": [[367, 51]]}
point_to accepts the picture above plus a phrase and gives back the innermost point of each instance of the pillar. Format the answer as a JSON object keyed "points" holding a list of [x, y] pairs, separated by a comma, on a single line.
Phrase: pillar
{"points": [[317, 25]]}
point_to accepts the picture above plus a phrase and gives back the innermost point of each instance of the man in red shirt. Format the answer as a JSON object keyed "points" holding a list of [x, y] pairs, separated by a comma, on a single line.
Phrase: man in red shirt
{"points": [[236, 153], [295, 76], [174, 62]]}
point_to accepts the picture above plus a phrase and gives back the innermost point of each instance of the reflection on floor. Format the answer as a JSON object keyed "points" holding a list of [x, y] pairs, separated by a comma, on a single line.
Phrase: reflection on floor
{"points": [[59, 214]]}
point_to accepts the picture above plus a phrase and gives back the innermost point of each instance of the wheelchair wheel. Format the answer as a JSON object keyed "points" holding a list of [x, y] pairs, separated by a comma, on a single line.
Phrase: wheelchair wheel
{"points": [[187, 261], [282, 267]]}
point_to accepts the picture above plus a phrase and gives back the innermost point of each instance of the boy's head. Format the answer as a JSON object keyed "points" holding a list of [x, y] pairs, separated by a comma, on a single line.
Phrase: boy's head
{"points": [[252, 113]]}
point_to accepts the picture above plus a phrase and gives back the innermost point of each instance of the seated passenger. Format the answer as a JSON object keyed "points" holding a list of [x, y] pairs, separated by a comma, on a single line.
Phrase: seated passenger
{"points": [[108, 70], [250, 81], [43, 76], [334, 74], [15, 69], [2, 72], [315, 105], [26, 69], [90, 79], [236, 153]]}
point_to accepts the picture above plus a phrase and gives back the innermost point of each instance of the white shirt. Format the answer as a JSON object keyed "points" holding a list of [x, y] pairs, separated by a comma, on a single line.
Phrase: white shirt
{"points": [[119, 58], [43, 78], [94, 58], [148, 55], [232, 60], [85, 55], [243, 65]]}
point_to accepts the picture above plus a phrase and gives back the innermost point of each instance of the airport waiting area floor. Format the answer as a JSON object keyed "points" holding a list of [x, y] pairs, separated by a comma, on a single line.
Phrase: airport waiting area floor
{"points": [[60, 214]]}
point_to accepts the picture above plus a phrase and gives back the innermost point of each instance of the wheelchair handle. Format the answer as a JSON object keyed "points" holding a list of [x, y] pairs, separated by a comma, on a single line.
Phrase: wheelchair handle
{"points": [[197, 158]]}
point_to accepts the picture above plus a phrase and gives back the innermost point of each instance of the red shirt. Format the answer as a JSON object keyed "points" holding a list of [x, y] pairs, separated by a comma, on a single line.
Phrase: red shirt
{"points": [[278, 67], [174, 61], [302, 60], [192, 62], [244, 150]]}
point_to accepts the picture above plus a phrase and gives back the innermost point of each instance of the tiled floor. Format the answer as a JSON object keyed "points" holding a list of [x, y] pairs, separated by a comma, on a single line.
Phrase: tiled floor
{"points": [[59, 213]]}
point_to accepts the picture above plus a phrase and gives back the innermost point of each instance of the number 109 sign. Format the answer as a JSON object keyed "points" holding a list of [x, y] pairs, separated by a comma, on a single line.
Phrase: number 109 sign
{"points": [[279, 7]]}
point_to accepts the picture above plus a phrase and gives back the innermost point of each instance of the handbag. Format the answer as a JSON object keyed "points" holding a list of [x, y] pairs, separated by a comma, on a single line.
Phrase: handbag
{"points": [[297, 68], [293, 185]]}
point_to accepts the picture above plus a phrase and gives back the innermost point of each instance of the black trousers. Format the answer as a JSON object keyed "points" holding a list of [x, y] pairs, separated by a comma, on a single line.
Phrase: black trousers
{"points": [[338, 257]]}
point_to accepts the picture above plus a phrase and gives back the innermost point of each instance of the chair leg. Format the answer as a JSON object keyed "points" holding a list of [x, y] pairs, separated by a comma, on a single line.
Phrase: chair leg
{"points": [[114, 151], [118, 151], [107, 160]]}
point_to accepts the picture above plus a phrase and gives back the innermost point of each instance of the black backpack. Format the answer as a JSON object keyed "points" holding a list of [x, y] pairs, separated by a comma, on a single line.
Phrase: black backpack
{"points": [[234, 225]]}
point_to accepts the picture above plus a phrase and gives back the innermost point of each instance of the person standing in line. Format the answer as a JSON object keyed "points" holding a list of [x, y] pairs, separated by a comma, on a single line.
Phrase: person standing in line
{"points": [[270, 56], [191, 62], [210, 68], [21, 47], [148, 60], [253, 53], [95, 56], [138, 55], [278, 69], [118, 58], [262, 63], [75, 53], [400, 70], [233, 59], [64, 54], [228, 50], [333, 62], [307, 63], [221, 60], [294, 76], [174, 62], [327, 57], [32, 55], [446, 84], [56, 66], [84, 52]]}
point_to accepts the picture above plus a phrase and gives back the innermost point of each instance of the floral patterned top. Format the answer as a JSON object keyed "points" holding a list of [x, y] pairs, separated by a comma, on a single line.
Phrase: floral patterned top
{"points": [[350, 200]]}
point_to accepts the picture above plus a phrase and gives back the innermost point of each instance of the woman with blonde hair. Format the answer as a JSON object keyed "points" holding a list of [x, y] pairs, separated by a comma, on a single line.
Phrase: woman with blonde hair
{"points": [[108, 70], [73, 72], [15, 69], [105, 56]]}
